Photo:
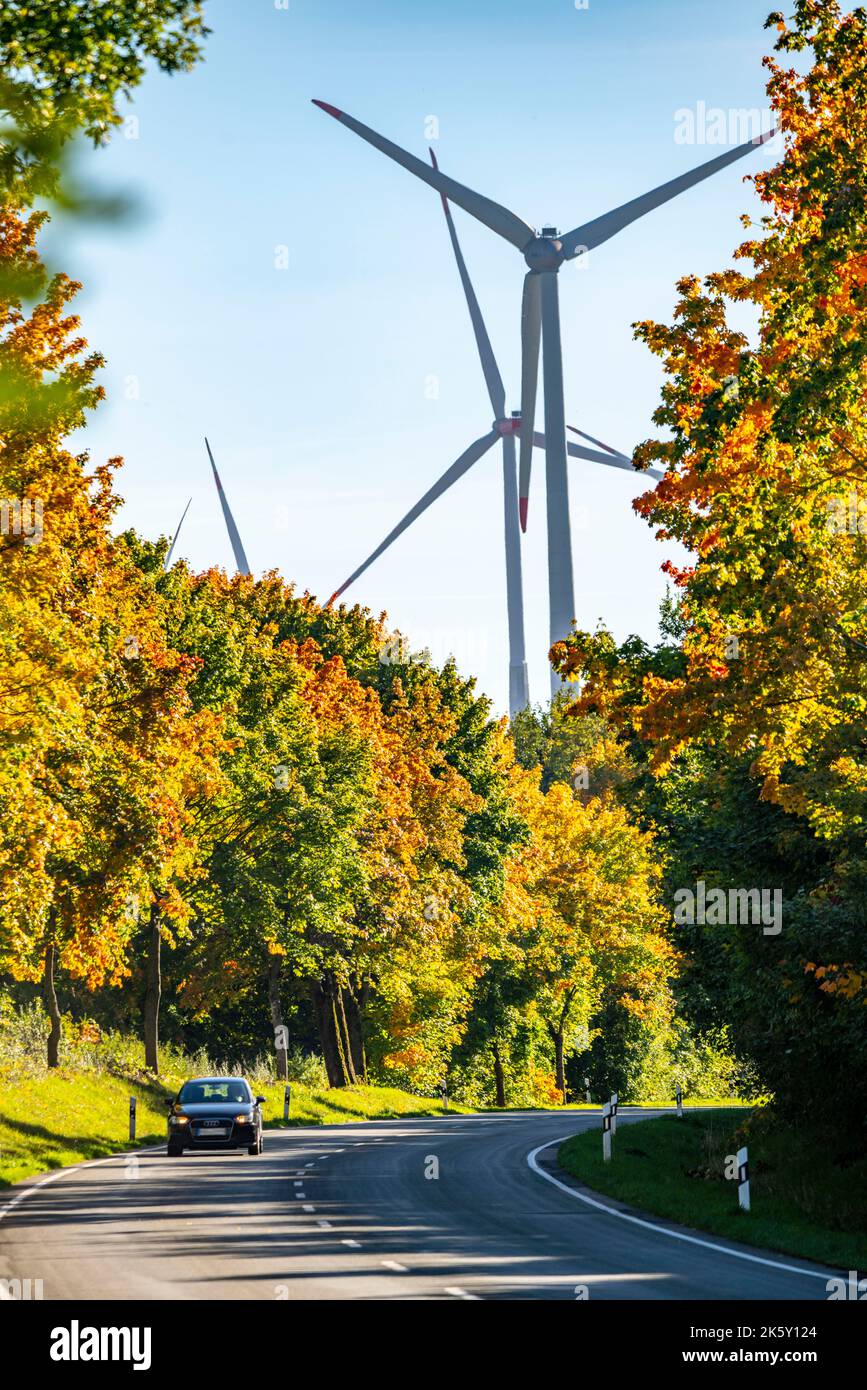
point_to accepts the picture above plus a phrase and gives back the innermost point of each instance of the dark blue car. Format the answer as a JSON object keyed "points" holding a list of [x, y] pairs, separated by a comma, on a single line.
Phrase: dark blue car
{"points": [[212, 1113]]}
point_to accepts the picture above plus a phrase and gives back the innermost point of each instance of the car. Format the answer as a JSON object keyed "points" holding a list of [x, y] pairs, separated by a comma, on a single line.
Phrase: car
{"points": [[213, 1113]]}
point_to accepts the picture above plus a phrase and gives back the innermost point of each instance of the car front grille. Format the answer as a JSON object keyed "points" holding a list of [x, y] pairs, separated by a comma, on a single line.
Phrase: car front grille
{"points": [[204, 1129]]}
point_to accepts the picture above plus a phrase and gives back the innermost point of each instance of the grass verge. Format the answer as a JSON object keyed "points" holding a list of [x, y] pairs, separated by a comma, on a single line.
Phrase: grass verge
{"points": [[68, 1116], [804, 1202]]}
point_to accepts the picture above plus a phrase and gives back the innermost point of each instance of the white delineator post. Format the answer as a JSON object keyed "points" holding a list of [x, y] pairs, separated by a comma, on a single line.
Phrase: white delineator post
{"points": [[287, 1100], [606, 1132], [444, 1092], [613, 1107], [743, 1179], [132, 1117], [587, 1089], [678, 1095]]}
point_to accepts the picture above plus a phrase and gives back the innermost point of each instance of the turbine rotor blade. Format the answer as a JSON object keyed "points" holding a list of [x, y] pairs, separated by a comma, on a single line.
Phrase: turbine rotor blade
{"points": [[493, 380], [531, 337], [593, 456], [168, 559], [451, 475], [601, 228], [498, 218], [598, 442], [237, 548]]}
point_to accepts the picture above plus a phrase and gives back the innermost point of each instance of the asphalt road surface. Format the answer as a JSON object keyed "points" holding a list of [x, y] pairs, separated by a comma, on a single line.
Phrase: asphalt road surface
{"points": [[430, 1208]]}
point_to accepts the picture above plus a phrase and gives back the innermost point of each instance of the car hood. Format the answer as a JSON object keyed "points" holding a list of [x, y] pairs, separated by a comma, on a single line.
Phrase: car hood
{"points": [[213, 1110]]}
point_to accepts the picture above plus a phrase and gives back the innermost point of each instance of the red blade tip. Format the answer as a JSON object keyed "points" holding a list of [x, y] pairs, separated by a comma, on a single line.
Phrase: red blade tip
{"points": [[523, 504], [324, 106]]}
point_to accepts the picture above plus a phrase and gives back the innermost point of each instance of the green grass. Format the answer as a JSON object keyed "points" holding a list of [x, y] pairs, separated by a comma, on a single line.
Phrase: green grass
{"points": [[68, 1116], [803, 1202], [338, 1107]]}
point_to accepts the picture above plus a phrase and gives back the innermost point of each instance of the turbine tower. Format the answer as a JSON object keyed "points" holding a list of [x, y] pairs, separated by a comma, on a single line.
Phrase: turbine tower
{"points": [[519, 686], [168, 559], [544, 254], [505, 429], [237, 548]]}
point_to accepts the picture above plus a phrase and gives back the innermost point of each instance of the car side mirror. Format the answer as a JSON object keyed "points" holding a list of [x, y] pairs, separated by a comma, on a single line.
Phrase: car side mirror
{"points": [[260, 1100]]}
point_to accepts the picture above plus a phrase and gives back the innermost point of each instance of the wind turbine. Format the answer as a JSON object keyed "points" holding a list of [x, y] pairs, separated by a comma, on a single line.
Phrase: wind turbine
{"points": [[237, 548], [168, 559], [503, 428], [544, 254]]}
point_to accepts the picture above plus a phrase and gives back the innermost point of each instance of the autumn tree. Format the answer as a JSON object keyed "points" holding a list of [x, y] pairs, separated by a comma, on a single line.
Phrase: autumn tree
{"points": [[594, 931], [765, 473], [94, 722]]}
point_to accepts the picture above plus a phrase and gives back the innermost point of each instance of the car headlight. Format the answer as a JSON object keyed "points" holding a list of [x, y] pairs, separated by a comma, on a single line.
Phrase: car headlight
{"points": [[179, 1119], [243, 1119]]}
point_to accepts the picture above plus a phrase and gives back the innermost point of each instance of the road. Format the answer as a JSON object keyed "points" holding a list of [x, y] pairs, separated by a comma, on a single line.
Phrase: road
{"points": [[427, 1208]]}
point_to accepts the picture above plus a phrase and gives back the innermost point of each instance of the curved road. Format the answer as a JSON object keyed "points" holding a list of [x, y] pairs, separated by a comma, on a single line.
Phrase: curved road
{"points": [[356, 1212]]}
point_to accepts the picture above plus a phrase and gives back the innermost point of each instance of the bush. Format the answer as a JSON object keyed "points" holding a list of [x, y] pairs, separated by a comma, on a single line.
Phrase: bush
{"points": [[85, 1046]]}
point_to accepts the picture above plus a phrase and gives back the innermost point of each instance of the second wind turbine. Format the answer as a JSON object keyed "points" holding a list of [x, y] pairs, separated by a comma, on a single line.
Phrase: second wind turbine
{"points": [[544, 254]]}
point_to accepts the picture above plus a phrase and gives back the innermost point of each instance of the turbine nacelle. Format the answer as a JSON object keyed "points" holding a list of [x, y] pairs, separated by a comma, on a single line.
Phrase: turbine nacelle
{"points": [[545, 252], [512, 425]]}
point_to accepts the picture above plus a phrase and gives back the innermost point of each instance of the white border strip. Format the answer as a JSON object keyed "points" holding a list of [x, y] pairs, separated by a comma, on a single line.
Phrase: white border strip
{"points": [[661, 1230]]}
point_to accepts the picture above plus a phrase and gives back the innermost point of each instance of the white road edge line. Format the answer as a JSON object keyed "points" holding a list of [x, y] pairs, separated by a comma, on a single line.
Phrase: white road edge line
{"points": [[460, 1293], [396, 1266], [73, 1168], [651, 1226]]}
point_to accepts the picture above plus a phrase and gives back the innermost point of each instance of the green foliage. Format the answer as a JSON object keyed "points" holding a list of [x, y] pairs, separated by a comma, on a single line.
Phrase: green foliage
{"points": [[66, 68], [751, 714]]}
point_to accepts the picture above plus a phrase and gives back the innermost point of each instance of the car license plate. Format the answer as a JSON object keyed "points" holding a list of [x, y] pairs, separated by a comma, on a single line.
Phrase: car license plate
{"points": [[214, 1133]]}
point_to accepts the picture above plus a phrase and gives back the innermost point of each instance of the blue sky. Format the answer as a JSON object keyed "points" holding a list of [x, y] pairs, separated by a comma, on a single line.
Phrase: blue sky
{"points": [[336, 389]]}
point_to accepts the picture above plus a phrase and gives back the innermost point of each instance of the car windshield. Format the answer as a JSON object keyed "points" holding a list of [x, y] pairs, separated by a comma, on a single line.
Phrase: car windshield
{"points": [[232, 1092]]}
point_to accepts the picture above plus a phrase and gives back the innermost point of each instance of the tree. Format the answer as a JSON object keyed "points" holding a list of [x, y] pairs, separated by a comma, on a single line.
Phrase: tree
{"points": [[67, 67], [97, 750], [765, 470], [595, 931]]}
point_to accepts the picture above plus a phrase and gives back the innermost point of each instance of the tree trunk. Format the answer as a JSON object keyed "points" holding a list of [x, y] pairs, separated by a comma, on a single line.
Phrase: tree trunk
{"points": [[354, 1002], [51, 1007], [330, 1032], [281, 1041], [559, 1062], [499, 1079], [342, 1030], [153, 993]]}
